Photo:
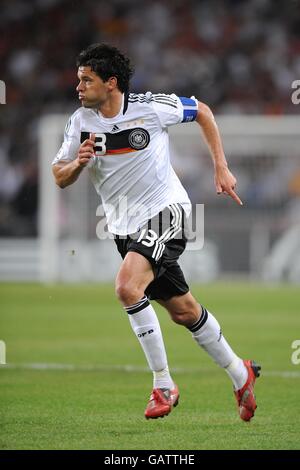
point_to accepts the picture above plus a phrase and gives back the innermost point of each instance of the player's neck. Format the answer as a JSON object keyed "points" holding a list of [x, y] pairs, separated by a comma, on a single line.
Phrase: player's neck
{"points": [[112, 105]]}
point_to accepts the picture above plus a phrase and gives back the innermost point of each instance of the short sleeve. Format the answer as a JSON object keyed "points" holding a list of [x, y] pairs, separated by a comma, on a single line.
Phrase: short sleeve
{"points": [[68, 150], [173, 109]]}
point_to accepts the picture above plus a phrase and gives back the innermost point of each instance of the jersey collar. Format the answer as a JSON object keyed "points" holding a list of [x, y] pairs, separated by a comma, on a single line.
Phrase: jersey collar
{"points": [[125, 104]]}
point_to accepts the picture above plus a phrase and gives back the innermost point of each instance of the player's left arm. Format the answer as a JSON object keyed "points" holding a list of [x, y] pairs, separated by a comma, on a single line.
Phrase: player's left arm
{"points": [[225, 181]]}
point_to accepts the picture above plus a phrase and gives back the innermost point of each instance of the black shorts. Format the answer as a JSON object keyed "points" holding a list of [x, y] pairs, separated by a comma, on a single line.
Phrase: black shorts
{"points": [[161, 241]]}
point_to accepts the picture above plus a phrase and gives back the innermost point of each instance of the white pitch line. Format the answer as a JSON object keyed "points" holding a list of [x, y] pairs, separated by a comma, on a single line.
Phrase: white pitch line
{"points": [[129, 368]]}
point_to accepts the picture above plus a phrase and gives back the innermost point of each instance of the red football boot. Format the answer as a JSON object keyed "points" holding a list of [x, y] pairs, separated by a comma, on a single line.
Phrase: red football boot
{"points": [[245, 396], [161, 402]]}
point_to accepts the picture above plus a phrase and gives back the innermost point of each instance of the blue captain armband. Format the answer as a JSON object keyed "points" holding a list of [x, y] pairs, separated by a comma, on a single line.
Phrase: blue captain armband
{"points": [[190, 108]]}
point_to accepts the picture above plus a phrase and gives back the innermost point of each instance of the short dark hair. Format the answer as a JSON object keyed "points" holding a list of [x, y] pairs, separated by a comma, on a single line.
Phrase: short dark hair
{"points": [[107, 61]]}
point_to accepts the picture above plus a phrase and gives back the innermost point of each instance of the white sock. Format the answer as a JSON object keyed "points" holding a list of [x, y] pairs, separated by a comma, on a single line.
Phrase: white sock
{"points": [[162, 379], [237, 372], [207, 333], [145, 324]]}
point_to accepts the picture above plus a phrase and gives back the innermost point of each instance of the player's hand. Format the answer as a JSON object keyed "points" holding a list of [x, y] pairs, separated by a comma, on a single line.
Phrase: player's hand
{"points": [[226, 183], [86, 150]]}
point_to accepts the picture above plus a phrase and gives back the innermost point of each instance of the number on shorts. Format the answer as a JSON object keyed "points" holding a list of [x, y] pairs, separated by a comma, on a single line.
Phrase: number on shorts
{"points": [[149, 239]]}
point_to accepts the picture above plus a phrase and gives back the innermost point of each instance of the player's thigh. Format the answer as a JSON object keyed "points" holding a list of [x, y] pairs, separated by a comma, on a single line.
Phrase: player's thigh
{"points": [[135, 271]]}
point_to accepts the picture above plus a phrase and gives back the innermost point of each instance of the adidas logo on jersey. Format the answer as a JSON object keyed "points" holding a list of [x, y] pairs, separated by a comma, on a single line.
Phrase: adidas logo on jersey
{"points": [[115, 128]]}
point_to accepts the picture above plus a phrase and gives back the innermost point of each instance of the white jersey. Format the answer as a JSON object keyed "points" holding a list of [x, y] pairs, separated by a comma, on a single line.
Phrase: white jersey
{"points": [[131, 169]]}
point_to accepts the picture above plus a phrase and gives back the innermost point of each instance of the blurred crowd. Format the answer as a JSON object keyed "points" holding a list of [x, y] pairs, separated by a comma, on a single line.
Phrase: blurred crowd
{"points": [[239, 56]]}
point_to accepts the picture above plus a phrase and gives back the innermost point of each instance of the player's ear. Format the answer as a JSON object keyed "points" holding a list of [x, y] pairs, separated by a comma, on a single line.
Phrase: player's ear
{"points": [[112, 83]]}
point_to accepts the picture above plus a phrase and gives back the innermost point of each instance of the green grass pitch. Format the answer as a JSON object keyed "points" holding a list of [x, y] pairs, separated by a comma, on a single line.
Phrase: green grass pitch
{"points": [[98, 401]]}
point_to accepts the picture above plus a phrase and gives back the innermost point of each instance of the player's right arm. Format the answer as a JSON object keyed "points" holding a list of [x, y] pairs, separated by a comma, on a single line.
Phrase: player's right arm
{"points": [[73, 155], [66, 172]]}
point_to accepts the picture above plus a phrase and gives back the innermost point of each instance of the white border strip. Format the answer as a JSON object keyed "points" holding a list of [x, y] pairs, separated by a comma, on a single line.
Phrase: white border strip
{"points": [[128, 368]]}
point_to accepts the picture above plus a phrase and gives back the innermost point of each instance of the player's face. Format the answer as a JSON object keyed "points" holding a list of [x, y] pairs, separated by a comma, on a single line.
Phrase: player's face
{"points": [[92, 91]]}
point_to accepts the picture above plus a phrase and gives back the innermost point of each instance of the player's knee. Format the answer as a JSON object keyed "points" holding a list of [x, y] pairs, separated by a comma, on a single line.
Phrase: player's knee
{"points": [[183, 318], [187, 315], [128, 293], [178, 318]]}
